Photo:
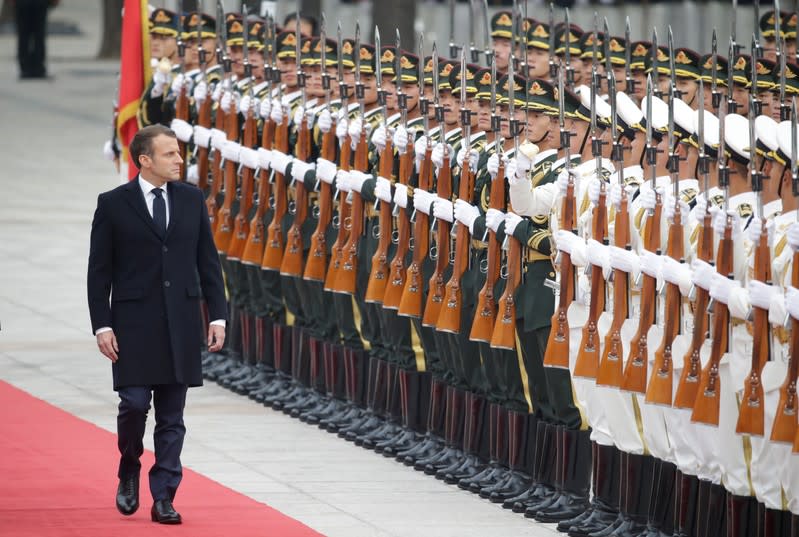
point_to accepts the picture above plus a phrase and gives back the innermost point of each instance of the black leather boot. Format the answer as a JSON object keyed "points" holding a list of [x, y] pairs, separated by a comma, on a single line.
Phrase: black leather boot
{"points": [[392, 414], [355, 377], [476, 428], [517, 480], [576, 478], [741, 516], [640, 475], [544, 465], [374, 395], [430, 423], [685, 505], [604, 507], [499, 469], [702, 504], [414, 393], [554, 474], [449, 412], [454, 450]]}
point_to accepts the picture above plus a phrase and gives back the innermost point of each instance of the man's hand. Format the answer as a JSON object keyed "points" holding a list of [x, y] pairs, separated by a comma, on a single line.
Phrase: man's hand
{"points": [[216, 337], [107, 343]]}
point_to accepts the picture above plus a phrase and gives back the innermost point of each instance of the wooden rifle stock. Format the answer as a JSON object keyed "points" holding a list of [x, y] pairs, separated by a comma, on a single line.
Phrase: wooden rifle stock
{"points": [[273, 249], [182, 112], [688, 385], [449, 318], [241, 224], [254, 248], [751, 415], [337, 250], [411, 301], [291, 264], [396, 278], [706, 406], [435, 295], [504, 333], [661, 383], [485, 314], [636, 370], [378, 277], [224, 226], [345, 282], [587, 364], [785, 421], [203, 120], [216, 174], [610, 372], [316, 264]]}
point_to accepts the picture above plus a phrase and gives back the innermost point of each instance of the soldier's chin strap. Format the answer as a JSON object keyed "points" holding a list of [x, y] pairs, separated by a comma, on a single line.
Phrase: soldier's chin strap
{"points": [[585, 140]]}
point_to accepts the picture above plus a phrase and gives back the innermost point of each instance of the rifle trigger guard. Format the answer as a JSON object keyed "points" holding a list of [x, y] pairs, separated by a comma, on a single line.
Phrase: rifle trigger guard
{"points": [[376, 231], [395, 236], [348, 223], [411, 245], [336, 222], [433, 252], [503, 271], [292, 207], [315, 210], [272, 202], [484, 266]]}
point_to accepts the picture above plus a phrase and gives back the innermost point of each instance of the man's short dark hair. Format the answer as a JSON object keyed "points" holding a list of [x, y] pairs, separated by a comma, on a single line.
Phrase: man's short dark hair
{"points": [[142, 143]]}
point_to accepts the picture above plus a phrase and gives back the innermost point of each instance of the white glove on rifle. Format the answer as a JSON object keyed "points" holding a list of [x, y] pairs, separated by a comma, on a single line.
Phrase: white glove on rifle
{"points": [[720, 222], [419, 148], [227, 100], [358, 179], [511, 221], [249, 103], [108, 151], [677, 273], [598, 255], [614, 195], [437, 155], [248, 157], [383, 189], [341, 130], [231, 150], [649, 197], [401, 139], [624, 260], [572, 245], [299, 168], [182, 130], [594, 187], [703, 274], [668, 209], [422, 200], [466, 214], [343, 181], [264, 158], [512, 172], [721, 287], [160, 80], [265, 109], [761, 295], [200, 93], [217, 93], [298, 115], [651, 263], [191, 175], [325, 121], [792, 301], [754, 230], [277, 111], [202, 136], [178, 84], [401, 196], [492, 166], [379, 138], [472, 158], [218, 139], [562, 182], [325, 170], [442, 209], [494, 218], [280, 161]]}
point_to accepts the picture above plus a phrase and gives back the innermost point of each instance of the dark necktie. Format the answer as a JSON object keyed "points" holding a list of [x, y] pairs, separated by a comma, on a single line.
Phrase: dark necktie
{"points": [[159, 211]]}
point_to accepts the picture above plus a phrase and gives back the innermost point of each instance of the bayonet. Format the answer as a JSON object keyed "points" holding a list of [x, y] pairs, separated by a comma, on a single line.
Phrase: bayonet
{"points": [[724, 171], [359, 87], [181, 28], [655, 54], [595, 53], [453, 47], [514, 128], [714, 71], [757, 47], [651, 145], [703, 164], [200, 50], [553, 66], [754, 101], [617, 149], [342, 84], [785, 112], [794, 156], [439, 110], [298, 51], [606, 53], [381, 93], [245, 58], [496, 120], [674, 158], [596, 142], [402, 101], [732, 106], [754, 174], [276, 73], [628, 59], [672, 75], [424, 104], [488, 50], [733, 25], [325, 76], [473, 50], [221, 39], [567, 38], [565, 134]]}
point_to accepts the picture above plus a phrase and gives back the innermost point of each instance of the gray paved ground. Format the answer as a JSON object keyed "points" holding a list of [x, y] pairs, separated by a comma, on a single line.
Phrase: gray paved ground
{"points": [[51, 173]]}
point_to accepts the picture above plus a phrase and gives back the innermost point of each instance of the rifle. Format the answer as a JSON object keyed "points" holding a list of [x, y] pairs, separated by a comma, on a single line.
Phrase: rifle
{"points": [[486, 310], [714, 90], [345, 282], [660, 386], [317, 258], [378, 277], [504, 334], [629, 80], [449, 319], [751, 416], [688, 384], [453, 47], [553, 66], [706, 405], [637, 365], [396, 277], [240, 223], [785, 421], [273, 249], [785, 110], [182, 100], [411, 301], [557, 351], [203, 117], [337, 251], [611, 363], [219, 122]]}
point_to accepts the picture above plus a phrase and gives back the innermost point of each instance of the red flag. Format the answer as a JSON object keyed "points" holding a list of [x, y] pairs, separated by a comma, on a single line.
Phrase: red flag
{"points": [[134, 73]]}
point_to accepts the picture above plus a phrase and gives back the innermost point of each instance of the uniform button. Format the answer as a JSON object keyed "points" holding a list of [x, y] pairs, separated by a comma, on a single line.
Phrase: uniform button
{"points": [[167, 284], [551, 274], [165, 249]]}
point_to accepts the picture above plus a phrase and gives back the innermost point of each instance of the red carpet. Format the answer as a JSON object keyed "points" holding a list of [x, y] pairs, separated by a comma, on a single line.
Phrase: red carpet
{"points": [[58, 478]]}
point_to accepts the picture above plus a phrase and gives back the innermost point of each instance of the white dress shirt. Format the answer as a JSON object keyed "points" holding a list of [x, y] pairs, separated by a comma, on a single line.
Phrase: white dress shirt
{"points": [[147, 190]]}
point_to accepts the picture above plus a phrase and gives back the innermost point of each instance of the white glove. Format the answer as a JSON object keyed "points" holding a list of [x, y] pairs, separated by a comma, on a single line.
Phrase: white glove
{"points": [[379, 138], [594, 186], [383, 189], [677, 273], [401, 138], [419, 148], [182, 130], [572, 245], [280, 161], [761, 295], [217, 93], [562, 182], [401, 196], [494, 218], [755, 228], [341, 130], [357, 179], [264, 158], [442, 209], [178, 83], [191, 175], [721, 287], [792, 301], [299, 169], [651, 263], [703, 274], [325, 121], [624, 260], [343, 181], [276, 113], [160, 80], [422, 200], [512, 172], [248, 157], [614, 195], [218, 139], [493, 165], [523, 163], [700, 206], [720, 222], [649, 198], [299, 112], [355, 129], [598, 255], [249, 103], [511, 221], [466, 214], [200, 92], [668, 209], [202, 136], [472, 158], [777, 312], [438, 154], [226, 101], [792, 235], [325, 170], [265, 109], [108, 151], [231, 150]]}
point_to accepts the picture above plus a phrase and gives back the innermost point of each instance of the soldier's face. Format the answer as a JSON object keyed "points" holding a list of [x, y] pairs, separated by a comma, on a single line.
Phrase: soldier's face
{"points": [[473, 105], [162, 46], [209, 45], [774, 109], [501, 52], [580, 129], [688, 89], [708, 92], [288, 71], [484, 115], [164, 163], [369, 88], [634, 155], [537, 127], [314, 80], [577, 66], [411, 92], [256, 60], [790, 48], [640, 86], [621, 77], [192, 58], [766, 105], [391, 92], [663, 83], [537, 63], [504, 129], [741, 96], [236, 55], [586, 68], [450, 105], [430, 94]]}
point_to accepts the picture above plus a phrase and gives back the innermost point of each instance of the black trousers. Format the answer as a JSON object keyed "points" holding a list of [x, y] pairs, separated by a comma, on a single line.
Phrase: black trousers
{"points": [[31, 20], [134, 404]]}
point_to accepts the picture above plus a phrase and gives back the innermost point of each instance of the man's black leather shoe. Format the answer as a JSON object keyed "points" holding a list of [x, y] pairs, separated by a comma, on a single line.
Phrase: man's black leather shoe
{"points": [[128, 495], [163, 513]]}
